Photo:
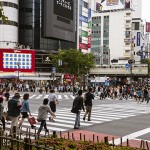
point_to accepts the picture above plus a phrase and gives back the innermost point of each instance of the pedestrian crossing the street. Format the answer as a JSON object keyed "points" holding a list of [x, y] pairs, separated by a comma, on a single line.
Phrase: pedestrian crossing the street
{"points": [[68, 96], [64, 120]]}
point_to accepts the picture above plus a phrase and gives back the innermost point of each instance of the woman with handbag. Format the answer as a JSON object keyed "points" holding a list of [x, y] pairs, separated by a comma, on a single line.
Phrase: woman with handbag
{"points": [[42, 115], [25, 109]]}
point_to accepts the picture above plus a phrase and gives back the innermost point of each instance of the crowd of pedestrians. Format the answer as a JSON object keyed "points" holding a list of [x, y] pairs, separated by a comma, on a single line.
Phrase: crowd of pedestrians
{"points": [[16, 109]]}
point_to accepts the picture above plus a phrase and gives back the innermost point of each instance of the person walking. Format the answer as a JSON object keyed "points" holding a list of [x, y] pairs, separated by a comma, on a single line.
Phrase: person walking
{"points": [[88, 104], [25, 110], [53, 101], [14, 106], [42, 115], [1, 113], [78, 105]]}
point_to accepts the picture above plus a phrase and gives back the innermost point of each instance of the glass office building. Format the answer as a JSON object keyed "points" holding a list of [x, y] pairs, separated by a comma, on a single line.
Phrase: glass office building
{"points": [[31, 31]]}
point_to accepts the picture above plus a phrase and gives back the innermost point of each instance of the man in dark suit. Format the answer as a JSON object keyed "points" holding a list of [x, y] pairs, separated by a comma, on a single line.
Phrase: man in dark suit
{"points": [[78, 105], [89, 96]]}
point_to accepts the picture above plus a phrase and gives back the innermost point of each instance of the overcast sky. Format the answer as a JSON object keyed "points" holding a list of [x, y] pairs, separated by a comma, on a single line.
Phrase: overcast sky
{"points": [[146, 10]]}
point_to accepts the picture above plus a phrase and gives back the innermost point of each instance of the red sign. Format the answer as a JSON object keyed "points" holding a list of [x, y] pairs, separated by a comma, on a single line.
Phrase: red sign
{"points": [[89, 41], [14, 59], [83, 46], [147, 26], [67, 76]]}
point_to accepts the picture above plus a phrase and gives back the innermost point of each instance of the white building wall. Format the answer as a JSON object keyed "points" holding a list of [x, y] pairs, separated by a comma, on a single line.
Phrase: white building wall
{"points": [[137, 8], [116, 33], [9, 33]]}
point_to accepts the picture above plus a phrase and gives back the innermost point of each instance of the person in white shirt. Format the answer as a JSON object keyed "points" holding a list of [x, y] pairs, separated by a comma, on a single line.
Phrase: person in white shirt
{"points": [[53, 101]]}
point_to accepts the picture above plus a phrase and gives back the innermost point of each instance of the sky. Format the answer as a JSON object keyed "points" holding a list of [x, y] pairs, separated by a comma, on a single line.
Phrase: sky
{"points": [[146, 10]]}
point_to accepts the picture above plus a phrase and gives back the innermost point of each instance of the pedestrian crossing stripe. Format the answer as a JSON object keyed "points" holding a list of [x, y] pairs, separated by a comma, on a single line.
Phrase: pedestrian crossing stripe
{"points": [[100, 113]]}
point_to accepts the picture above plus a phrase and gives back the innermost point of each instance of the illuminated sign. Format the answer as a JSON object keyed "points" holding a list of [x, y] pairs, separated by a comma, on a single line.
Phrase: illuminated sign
{"points": [[12, 60], [104, 5], [64, 8]]}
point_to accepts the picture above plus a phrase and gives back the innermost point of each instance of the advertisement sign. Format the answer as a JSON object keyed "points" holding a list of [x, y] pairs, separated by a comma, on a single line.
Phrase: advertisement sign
{"points": [[58, 19], [84, 19], [147, 26], [89, 41], [138, 41], [12, 59], [84, 33], [83, 46], [64, 8], [105, 5]]}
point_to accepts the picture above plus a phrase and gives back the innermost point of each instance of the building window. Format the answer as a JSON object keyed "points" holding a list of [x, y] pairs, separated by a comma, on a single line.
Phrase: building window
{"points": [[85, 4]]}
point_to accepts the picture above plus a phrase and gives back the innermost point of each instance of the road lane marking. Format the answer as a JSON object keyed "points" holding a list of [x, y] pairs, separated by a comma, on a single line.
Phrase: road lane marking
{"points": [[131, 136]]}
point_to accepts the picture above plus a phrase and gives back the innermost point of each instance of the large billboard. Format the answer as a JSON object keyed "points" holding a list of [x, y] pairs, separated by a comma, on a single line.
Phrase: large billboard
{"points": [[105, 5], [61, 5], [59, 19], [14, 59]]}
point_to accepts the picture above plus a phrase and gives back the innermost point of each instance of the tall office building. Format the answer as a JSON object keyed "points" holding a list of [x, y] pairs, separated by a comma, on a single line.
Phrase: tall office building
{"points": [[46, 26], [9, 31], [42, 25], [84, 25], [117, 31]]}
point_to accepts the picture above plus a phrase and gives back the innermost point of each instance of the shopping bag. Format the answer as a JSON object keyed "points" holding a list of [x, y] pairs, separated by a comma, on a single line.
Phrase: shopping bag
{"points": [[5, 114], [32, 120]]}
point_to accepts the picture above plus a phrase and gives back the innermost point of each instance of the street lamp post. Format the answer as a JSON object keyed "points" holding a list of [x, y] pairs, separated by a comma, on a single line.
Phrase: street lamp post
{"points": [[18, 64]]}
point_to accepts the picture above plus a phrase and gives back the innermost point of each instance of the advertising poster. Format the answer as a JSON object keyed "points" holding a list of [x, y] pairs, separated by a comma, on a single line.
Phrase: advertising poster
{"points": [[105, 5], [147, 26], [12, 59]]}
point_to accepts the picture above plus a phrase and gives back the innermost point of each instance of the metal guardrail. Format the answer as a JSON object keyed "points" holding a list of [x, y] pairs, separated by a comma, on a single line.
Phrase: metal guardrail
{"points": [[16, 142], [119, 70]]}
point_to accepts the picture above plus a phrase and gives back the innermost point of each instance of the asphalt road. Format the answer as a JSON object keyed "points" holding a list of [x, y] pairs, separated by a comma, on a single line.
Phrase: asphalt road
{"points": [[120, 118]]}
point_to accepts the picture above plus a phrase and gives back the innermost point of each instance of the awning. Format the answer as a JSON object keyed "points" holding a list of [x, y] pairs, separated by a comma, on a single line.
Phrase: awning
{"points": [[15, 74], [36, 78]]}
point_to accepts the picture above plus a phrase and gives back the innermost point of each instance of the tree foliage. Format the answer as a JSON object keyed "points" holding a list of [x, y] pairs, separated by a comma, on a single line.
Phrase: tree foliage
{"points": [[2, 16], [74, 62]]}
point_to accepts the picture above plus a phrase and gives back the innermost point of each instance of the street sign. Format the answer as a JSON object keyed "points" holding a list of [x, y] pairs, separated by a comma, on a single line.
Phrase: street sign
{"points": [[139, 53], [53, 70], [127, 65]]}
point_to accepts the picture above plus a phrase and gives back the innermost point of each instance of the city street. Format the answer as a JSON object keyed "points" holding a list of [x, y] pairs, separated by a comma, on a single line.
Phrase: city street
{"points": [[117, 118]]}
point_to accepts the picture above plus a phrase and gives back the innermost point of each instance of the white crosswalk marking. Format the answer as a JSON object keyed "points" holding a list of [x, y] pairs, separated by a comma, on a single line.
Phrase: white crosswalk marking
{"points": [[66, 96], [59, 96], [32, 96], [39, 96], [46, 96], [100, 113]]}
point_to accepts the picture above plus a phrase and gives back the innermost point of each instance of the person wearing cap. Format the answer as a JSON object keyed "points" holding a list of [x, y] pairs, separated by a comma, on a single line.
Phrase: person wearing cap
{"points": [[14, 111]]}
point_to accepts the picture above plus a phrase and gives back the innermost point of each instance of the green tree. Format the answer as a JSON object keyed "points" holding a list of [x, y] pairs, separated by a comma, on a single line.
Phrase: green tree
{"points": [[146, 61], [74, 62], [2, 16]]}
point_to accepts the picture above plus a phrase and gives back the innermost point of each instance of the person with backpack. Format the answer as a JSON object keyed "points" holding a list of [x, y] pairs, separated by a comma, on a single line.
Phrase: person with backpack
{"points": [[14, 111], [89, 96], [43, 114], [77, 106]]}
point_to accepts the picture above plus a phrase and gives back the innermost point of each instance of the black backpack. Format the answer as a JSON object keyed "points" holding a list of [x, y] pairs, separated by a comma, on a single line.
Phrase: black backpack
{"points": [[75, 106]]}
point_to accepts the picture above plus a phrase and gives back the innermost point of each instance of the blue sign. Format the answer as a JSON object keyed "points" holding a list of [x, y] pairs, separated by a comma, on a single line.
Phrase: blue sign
{"points": [[127, 65], [138, 42], [84, 19], [53, 69]]}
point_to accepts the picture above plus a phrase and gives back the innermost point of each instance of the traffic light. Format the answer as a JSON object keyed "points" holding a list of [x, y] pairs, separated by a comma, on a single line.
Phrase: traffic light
{"points": [[131, 61]]}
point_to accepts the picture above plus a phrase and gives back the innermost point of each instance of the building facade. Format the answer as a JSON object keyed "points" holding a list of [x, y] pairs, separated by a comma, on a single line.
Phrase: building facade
{"points": [[117, 32], [9, 31]]}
